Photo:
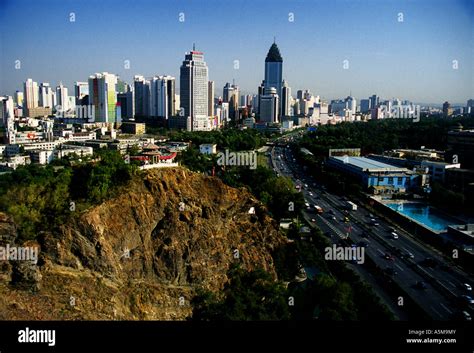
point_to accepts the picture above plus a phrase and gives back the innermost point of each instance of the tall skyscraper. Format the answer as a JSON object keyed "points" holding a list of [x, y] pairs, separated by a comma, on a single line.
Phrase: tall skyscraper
{"points": [[231, 95], [141, 88], [285, 99], [45, 95], [274, 69], [30, 89], [365, 106], [103, 96], [374, 101], [193, 90], [62, 97], [162, 92], [210, 97], [7, 116]]}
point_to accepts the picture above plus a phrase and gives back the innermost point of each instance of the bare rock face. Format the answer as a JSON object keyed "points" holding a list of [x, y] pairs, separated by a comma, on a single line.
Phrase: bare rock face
{"points": [[143, 253]]}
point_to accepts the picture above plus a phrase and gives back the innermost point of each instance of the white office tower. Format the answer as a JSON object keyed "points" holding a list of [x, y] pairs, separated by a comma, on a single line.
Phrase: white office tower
{"points": [[210, 97], [224, 113], [45, 95], [194, 90], [62, 98], [269, 106], [30, 89], [286, 99], [162, 92], [103, 96], [7, 116]]}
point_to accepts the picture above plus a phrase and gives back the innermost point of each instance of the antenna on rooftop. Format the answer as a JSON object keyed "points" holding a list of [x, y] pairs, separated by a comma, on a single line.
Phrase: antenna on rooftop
{"points": [[194, 46]]}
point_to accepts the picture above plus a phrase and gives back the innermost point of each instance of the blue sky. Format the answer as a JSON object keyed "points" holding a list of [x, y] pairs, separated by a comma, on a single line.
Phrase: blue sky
{"points": [[412, 59]]}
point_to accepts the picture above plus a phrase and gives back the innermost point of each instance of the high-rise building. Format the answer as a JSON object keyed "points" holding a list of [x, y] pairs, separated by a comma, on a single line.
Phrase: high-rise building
{"points": [[286, 99], [231, 95], [62, 97], [45, 95], [162, 100], [19, 98], [351, 104], [374, 101], [125, 100], [30, 89], [103, 96], [365, 106], [193, 90], [141, 89], [274, 69], [81, 89], [269, 106], [7, 116], [447, 109], [210, 97], [470, 106], [260, 93]]}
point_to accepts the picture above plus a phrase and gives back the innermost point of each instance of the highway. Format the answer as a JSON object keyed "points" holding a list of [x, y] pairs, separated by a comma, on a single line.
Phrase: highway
{"points": [[403, 255]]}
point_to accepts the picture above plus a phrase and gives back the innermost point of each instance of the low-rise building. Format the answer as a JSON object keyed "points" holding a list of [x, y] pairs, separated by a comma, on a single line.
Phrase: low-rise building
{"points": [[377, 177], [437, 170], [133, 128], [41, 156]]}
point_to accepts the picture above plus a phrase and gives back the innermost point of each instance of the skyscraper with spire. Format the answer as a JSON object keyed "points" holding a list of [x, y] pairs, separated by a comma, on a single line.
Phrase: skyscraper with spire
{"points": [[274, 70]]}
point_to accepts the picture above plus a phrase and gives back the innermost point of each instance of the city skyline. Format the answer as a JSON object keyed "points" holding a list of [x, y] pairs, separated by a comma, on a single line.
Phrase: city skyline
{"points": [[446, 75]]}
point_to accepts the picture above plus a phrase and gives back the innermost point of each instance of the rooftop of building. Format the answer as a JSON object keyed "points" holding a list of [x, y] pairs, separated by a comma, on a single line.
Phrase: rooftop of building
{"points": [[369, 165], [274, 54]]}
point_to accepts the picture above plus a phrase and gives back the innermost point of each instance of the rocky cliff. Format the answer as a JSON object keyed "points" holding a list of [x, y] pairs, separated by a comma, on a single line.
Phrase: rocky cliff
{"points": [[142, 254]]}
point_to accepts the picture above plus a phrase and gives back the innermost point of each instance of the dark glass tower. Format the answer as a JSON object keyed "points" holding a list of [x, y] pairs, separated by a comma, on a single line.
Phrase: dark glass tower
{"points": [[274, 70]]}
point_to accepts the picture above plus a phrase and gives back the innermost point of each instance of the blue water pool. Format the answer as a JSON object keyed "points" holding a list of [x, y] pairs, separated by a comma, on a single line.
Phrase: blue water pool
{"points": [[424, 214]]}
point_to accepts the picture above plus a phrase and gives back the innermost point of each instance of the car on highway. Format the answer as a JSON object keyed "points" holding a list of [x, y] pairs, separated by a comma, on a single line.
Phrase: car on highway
{"points": [[394, 235], [410, 255], [466, 316], [466, 299], [466, 286], [388, 256], [313, 220], [334, 218], [310, 193]]}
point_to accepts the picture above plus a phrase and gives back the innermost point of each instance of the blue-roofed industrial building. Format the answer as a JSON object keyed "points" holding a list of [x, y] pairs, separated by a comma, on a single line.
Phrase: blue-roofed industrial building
{"points": [[375, 176]]}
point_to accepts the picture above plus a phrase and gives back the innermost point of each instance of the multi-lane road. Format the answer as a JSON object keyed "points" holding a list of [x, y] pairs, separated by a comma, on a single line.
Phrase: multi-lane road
{"points": [[435, 289]]}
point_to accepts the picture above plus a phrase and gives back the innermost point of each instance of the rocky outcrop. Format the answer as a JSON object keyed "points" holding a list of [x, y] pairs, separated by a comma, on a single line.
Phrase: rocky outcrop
{"points": [[143, 253]]}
